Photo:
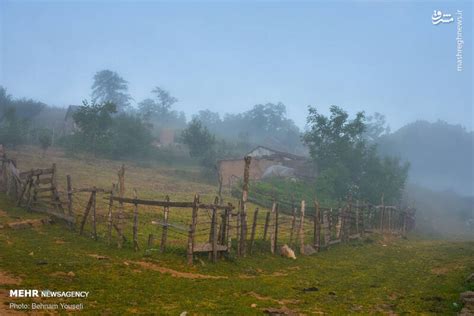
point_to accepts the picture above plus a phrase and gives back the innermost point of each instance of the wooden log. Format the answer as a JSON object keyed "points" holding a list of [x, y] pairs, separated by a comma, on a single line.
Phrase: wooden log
{"points": [[35, 172], [86, 213], [172, 204], [254, 227], [164, 231], [94, 216], [265, 228], [301, 228], [135, 223], [207, 247]]}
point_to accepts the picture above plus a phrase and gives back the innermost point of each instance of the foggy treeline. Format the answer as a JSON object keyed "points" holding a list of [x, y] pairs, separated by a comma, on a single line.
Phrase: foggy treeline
{"points": [[440, 154]]}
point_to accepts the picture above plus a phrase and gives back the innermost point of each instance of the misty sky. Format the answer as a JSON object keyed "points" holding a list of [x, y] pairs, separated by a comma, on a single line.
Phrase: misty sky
{"points": [[375, 56]]}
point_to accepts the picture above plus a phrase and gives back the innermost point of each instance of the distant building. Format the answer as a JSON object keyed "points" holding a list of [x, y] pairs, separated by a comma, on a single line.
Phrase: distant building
{"points": [[263, 158]]}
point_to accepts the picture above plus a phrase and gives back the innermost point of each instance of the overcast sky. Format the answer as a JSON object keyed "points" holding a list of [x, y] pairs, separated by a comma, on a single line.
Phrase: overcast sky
{"points": [[380, 56]]}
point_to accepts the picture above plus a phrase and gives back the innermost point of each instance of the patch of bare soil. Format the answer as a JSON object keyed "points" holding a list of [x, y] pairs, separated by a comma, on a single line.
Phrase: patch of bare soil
{"points": [[267, 298], [446, 269], [173, 273], [6, 279]]}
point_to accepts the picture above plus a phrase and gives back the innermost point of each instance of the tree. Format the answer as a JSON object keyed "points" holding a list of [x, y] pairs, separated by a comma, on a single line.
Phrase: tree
{"points": [[202, 145], [108, 86], [159, 108], [12, 129], [376, 127], [45, 139], [94, 122], [198, 138], [347, 163]]}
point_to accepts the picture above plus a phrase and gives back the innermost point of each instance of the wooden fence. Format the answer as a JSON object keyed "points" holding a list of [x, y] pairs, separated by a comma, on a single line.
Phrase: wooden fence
{"points": [[194, 226]]}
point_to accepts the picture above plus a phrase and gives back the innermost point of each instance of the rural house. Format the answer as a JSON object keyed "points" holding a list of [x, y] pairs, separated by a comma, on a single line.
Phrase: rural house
{"points": [[264, 161]]}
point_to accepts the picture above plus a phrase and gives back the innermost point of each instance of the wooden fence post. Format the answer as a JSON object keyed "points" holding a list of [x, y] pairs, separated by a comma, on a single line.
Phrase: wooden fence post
{"points": [[254, 227], [245, 189], [69, 195], [382, 211], [164, 232], [228, 231], [86, 213], [327, 228], [193, 229], [109, 215], [293, 224], [214, 235], [120, 217], [94, 214], [135, 222], [272, 230], [301, 228], [317, 226], [265, 228], [277, 212], [190, 245]]}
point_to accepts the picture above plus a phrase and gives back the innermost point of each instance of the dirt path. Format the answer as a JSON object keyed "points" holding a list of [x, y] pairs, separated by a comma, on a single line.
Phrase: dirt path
{"points": [[173, 273]]}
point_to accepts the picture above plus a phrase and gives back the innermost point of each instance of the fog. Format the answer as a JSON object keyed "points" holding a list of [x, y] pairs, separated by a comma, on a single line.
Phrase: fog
{"points": [[248, 72]]}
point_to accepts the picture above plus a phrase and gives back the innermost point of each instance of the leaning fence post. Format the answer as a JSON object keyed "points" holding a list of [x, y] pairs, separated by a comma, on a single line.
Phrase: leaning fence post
{"points": [[164, 233], [254, 226], [86, 213], [327, 228], [301, 228], [265, 228], [135, 221]]}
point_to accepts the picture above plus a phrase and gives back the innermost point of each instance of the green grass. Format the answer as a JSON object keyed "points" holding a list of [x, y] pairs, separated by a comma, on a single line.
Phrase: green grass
{"points": [[374, 276]]}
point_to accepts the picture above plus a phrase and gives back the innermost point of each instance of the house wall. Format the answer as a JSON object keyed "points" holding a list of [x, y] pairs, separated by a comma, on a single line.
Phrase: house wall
{"points": [[231, 170]]}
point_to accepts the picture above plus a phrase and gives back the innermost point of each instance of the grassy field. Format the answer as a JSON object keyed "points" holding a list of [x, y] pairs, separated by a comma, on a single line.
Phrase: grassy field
{"points": [[373, 276]]}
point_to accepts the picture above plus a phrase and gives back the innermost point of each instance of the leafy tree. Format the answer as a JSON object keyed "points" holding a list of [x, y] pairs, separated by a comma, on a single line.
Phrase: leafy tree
{"points": [[347, 163], [45, 138], [158, 111], [94, 122], [198, 138], [12, 129], [109, 86], [203, 146], [376, 127]]}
